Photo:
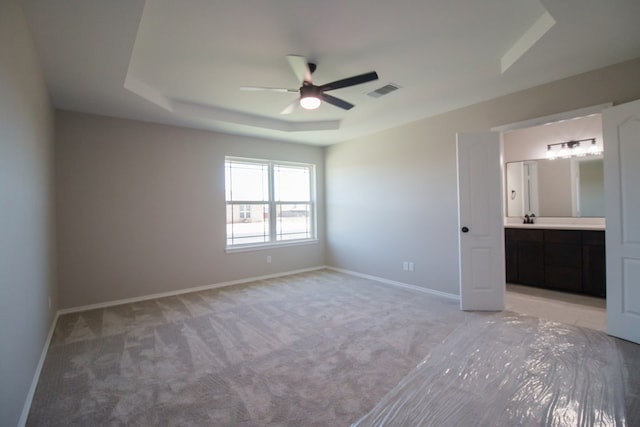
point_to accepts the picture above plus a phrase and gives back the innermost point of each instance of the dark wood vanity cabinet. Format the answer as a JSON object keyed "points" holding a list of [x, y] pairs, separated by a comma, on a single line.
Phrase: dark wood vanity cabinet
{"points": [[564, 260]]}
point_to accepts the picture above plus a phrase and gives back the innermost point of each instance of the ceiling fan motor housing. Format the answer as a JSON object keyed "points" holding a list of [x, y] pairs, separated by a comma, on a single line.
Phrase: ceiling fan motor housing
{"points": [[309, 90]]}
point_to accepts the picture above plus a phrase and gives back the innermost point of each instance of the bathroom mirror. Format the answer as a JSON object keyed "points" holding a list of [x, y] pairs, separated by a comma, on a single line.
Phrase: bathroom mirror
{"points": [[571, 187]]}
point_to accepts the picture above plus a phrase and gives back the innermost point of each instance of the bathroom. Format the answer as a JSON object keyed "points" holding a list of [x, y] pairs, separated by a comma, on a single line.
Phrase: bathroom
{"points": [[554, 220]]}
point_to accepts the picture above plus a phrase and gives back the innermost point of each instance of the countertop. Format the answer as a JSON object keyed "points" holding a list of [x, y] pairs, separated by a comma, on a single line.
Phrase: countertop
{"points": [[558, 226]]}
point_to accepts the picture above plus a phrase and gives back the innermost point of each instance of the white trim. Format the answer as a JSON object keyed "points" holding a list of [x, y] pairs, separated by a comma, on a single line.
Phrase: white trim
{"points": [[36, 376], [272, 166], [566, 115], [267, 246], [184, 291], [399, 284]]}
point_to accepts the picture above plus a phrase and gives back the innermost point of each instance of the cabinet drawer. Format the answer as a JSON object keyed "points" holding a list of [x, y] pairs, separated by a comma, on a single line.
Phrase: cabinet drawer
{"points": [[522, 234], [563, 236]]}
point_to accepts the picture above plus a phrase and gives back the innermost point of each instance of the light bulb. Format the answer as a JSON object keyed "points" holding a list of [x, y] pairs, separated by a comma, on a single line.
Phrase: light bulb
{"points": [[550, 153], [577, 150], [563, 153], [309, 102], [593, 149]]}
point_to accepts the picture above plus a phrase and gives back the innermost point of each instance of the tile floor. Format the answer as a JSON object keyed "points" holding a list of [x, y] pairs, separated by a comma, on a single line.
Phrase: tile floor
{"points": [[562, 307]]}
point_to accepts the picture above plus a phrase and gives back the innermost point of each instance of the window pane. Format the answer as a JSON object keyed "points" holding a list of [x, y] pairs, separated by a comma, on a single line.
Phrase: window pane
{"points": [[292, 183], [293, 221], [247, 181], [247, 224]]}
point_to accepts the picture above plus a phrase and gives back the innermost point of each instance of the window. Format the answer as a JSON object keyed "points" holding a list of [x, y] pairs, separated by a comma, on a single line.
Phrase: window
{"points": [[268, 202]]}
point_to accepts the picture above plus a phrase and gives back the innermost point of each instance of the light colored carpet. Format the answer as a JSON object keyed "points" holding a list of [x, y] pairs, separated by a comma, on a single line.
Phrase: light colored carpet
{"points": [[314, 349]]}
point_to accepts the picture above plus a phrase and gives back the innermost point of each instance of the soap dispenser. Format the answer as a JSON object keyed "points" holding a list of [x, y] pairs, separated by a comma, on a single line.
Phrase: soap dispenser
{"points": [[526, 219]]}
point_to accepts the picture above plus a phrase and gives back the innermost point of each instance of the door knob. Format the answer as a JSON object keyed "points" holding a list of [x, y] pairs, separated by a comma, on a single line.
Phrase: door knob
{"points": [[465, 229]]}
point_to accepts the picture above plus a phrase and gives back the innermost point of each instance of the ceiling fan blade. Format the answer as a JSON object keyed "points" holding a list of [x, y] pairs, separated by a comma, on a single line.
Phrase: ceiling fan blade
{"points": [[269, 89], [300, 67], [350, 81], [291, 107], [336, 101]]}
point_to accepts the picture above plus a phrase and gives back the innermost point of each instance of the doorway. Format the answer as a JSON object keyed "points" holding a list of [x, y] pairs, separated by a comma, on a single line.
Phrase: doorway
{"points": [[526, 143]]}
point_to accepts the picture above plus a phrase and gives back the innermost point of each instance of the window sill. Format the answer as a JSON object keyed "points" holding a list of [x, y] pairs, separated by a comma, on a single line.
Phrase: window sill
{"points": [[266, 246]]}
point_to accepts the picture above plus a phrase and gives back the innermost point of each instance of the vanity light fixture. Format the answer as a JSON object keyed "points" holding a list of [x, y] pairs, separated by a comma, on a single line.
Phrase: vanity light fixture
{"points": [[572, 149], [593, 149]]}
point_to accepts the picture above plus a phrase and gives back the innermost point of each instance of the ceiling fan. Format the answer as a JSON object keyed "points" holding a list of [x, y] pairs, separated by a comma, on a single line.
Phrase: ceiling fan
{"points": [[311, 95]]}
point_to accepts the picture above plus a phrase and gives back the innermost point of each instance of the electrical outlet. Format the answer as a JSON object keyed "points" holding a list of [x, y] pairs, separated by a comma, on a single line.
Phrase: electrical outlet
{"points": [[268, 259], [411, 266], [405, 265]]}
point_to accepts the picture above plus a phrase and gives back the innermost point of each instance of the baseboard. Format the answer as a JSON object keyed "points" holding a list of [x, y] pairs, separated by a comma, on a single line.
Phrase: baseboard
{"points": [[36, 376], [399, 284], [184, 291]]}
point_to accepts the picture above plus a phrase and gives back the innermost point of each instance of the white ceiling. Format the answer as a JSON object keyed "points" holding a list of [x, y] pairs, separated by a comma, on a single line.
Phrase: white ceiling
{"points": [[182, 62]]}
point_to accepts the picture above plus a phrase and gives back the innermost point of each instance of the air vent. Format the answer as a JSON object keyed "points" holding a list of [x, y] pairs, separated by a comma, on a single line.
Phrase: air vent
{"points": [[384, 90]]}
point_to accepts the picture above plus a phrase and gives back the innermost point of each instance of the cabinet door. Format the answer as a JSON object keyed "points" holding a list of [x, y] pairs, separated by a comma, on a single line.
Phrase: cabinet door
{"points": [[563, 260], [511, 257], [593, 259], [524, 250], [531, 262]]}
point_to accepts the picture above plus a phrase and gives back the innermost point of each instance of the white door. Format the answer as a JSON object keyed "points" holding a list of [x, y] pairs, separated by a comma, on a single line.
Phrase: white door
{"points": [[621, 127], [480, 222]]}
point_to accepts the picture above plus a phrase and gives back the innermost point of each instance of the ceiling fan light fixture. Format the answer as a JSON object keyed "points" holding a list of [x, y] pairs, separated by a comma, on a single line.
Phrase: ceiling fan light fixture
{"points": [[309, 96], [309, 102], [312, 96]]}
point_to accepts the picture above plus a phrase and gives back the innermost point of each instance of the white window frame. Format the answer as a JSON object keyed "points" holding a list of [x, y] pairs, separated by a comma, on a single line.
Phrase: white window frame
{"points": [[273, 204]]}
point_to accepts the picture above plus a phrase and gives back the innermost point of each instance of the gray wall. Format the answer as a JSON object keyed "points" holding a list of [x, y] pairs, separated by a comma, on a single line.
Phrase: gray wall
{"points": [[26, 193], [391, 197], [141, 209]]}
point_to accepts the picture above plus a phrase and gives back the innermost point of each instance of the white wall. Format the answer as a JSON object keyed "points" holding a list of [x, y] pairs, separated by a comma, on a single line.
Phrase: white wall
{"points": [[141, 209], [392, 196], [531, 143], [26, 231], [554, 178]]}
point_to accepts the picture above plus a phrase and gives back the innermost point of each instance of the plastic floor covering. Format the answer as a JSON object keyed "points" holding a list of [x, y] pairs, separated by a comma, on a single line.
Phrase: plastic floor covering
{"points": [[510, 370]]}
